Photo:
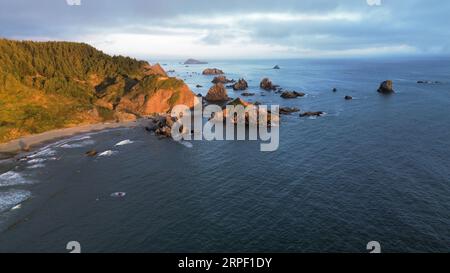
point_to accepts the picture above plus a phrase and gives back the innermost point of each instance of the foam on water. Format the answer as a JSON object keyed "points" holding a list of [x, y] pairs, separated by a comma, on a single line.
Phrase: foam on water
{"points": [[77, 145], [36, 166], [108, 153], [12, 178], [186, 144], [43, 153], [125, 142], [36, 161], [12, 199]]}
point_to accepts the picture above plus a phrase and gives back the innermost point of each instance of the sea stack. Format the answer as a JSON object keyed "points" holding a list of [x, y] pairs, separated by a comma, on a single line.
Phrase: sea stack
{"points": [[212, 71], [240, 85], [267, 84], [217, 93], [386, 87]]}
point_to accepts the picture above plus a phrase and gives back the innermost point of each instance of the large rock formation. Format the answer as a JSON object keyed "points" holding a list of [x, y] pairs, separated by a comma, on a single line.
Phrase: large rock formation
{"points": [[271, 119], [217, 93], [386, 87], [156, 95], [155, 70], [292, 94], [267, 84], [194, 61], [212, 71], [221, 79], [241, 85]]}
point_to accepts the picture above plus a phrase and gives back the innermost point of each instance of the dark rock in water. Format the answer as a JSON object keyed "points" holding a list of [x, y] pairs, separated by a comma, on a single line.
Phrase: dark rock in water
{"points": [[267, 84], [386, 87], [91, 153], [199, 86], [194, 61], [348, 97], [217, 93], [221, 79], [276, 67], [248, 94], [241, 84], [257, 103], [162, 125], [292, 95], [288, 110], [212, 71], [429, 82], [199, 95], [334, 89], [311, 114]]}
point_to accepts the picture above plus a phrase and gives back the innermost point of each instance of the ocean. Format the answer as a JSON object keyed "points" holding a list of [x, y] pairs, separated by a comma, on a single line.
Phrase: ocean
{"points": [[375, 168]]}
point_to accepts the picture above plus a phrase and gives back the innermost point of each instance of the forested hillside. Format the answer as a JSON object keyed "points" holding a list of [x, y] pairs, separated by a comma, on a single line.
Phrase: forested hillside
{"points": [[49, 85]]}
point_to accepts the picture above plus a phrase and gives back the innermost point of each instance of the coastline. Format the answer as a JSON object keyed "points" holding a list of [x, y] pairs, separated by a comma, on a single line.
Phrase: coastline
{"points": [[14, 147]]}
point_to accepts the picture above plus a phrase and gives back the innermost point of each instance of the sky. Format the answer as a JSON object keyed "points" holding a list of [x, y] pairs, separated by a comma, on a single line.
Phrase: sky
{"points": [[232, 29]]}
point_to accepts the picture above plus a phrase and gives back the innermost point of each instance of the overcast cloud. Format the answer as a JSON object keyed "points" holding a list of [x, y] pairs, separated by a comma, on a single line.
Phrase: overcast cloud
{"points": [[236, 29]]}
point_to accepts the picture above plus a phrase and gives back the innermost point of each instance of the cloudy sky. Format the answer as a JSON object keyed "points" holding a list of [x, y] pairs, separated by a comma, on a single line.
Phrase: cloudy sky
{"points": [[236, 28]]}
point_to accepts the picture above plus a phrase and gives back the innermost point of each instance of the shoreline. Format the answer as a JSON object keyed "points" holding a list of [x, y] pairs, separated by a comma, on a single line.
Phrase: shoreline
{"points": [[15, 147]]}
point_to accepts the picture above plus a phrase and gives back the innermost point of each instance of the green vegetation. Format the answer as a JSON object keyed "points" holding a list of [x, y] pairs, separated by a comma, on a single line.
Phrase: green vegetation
{"points": [[49, 85]]}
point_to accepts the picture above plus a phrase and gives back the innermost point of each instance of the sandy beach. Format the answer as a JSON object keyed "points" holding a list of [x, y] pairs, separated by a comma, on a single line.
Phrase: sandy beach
{"points": [[32, 141]]}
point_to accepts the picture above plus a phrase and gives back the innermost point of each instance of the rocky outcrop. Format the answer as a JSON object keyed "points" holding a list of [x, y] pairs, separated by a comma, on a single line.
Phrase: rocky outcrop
{"points": [[212, 71], [246, 94], [267, 85], [194, 61], [155, 70], [221, 79], [156, 95], [386, 87], [335, 89], [311, 114], [348, 97], [288, 110], [240, 85], [271, 119], [217, 93], [91, 153], [162, 125], [292, 94], [276, 67]]}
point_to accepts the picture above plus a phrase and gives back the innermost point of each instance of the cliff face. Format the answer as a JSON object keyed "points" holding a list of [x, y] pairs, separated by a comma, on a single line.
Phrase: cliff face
{"points": [[156, 95], [51, 85]]}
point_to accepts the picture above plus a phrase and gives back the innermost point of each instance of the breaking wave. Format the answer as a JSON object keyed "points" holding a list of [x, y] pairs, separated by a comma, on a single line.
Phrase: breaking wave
{"points": [[12, 178]]}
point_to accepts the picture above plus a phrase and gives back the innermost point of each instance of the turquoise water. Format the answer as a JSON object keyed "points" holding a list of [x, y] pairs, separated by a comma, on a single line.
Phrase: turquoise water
{"points": [[374, 168]]}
